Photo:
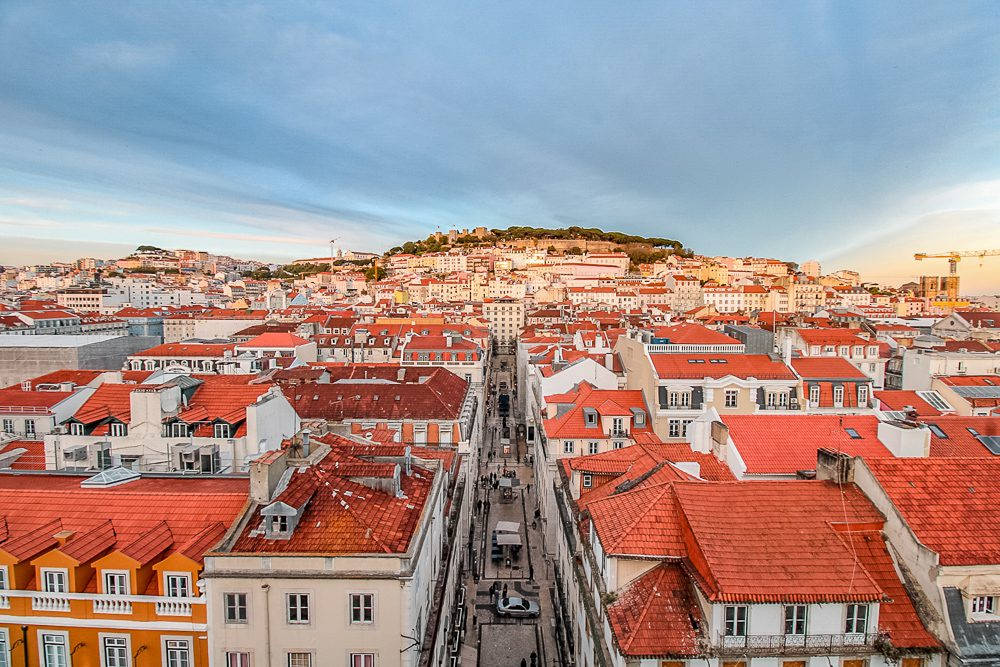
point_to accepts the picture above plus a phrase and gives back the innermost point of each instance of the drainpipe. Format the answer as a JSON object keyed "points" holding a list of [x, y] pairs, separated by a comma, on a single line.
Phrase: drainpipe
{"points": [[24, 641], [267, 623]]}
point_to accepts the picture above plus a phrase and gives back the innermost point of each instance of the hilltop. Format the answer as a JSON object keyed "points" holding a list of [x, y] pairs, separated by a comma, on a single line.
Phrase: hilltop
{"points": [[568, 240]]}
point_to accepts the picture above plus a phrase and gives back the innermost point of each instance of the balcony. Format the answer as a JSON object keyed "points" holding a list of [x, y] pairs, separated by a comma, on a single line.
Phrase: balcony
{"points": [[108, 604], [50, 602], [766, 645], [618, 433], [173, 607], [4, 600]]}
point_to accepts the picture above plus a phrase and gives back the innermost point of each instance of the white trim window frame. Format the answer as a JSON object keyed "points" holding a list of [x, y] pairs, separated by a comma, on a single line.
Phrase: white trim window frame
{"points": [[177, 584], [55, 580], [732, 398], [116, 650], [4, 579], [569, 447], [177, 652], [115, 582], [796, 619], [53, 649], [237, 659], [297, 608], [838, 395], [736, 620], [856, 622], [299, 659], [984, 604], [362, 660], [4, 648]]}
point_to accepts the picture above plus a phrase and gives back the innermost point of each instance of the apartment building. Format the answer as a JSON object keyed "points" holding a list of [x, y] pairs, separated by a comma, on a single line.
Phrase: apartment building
{"points": [[848, 344], [505, 318], [173, 423], [337, 560], [106, 569]]}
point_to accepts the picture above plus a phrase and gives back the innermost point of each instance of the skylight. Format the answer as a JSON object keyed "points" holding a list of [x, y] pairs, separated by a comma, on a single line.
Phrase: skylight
{"points": [[936, 430], [110, 477], [934, 399], [853, 433]]}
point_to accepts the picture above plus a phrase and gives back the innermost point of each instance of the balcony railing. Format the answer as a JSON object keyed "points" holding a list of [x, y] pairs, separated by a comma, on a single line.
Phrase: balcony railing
{"points": [[102, 604], [837, 644], [50, 602], [618, 433]]}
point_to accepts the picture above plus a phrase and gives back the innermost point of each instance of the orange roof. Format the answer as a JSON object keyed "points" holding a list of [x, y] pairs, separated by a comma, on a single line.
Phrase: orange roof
{"points": [[275, 339], [187, 350], [897, 399], [952, 505], [836, 368], [687, 333], [785, 444], [653, 616], [698, 366], [34, 504], [777, 541]]}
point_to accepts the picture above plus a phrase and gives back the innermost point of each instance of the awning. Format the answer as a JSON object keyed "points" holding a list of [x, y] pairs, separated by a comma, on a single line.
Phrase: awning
{"points": [[509, 482], [508, 527], [509, 540]]}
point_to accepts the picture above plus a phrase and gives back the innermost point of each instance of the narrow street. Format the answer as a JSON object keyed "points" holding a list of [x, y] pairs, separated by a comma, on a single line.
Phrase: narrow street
{"points": [[493, 640]]}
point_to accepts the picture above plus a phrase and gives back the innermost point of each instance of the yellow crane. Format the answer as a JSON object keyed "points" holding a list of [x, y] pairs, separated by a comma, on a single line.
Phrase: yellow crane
{"points": [[953, 256]]}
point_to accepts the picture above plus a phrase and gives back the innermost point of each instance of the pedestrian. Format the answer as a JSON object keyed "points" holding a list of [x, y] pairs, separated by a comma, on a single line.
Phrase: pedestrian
{"points": [[534, 524], [534, 658], [528, 487], [524, 663], [479, 505], [505, 590]]}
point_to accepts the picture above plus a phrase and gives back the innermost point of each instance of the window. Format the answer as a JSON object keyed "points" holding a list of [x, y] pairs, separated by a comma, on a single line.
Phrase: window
{"points": [[179, 430], [795, 619], [814, 395], [29, 428], [782, 400], [178, 585], [937, 431], [838, 395], [362, 660], [54, 581], [853, 433], [736, 621], [237, 659], [857, 619], [8, 425], [588, 481], [53, 649], [118, 430], [103, 459], [300, 659], [732, 398], [4, 585], [178, 653], [222, 430], [115, 651], [75, 428], [679, 399], [592, 447], [863, 395], [115, 583], [298, 607], [236, 607], [362, 608], [772, 399], [4, 648], [279, 524], [568, 447], [984, 604]]}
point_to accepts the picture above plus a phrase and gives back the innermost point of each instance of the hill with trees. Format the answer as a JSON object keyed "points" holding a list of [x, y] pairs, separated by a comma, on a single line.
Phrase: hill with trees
{"points": [[640, 249]]}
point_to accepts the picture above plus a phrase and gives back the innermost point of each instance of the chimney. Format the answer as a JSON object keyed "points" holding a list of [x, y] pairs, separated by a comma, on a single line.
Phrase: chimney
{"points": [[407, 461], [834, 466], [447, 340], [63, 536], [905, 440], [787, 352], [265, 473], [305, 442], [910, 412]]}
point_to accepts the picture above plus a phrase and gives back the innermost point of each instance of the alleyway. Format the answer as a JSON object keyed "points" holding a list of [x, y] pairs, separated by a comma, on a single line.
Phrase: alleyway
{"points": [[492, 640]]}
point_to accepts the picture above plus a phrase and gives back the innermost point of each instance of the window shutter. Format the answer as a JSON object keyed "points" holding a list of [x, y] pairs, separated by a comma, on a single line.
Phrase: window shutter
{"points": [[663, 398], [761, 398], [697, 397]]}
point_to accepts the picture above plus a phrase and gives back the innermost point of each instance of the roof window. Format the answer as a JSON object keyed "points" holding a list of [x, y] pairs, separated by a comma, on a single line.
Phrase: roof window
{"points": [[936, 430], [853, 433]]}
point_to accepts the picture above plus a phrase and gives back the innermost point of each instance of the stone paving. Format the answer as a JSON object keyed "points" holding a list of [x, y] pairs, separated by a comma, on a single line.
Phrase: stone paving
{"points": [[494, 641]]}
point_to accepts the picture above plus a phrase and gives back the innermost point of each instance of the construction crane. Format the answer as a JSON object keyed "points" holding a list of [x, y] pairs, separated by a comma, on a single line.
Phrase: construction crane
{"points": [[953, 256]]}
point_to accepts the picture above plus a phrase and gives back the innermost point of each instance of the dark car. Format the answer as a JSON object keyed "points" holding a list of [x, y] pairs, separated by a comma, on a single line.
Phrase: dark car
{"points": [[516, 607]]}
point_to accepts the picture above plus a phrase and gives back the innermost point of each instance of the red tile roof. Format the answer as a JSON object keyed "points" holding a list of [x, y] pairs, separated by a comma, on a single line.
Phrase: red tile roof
{"points": [[897, 399], [785, 444], [952, 505], [836, 368], [32, 459], [776, 541], [688, 333], [958, 440], [38, 505], [653, 615], [275, 339], [172, 350], [699, 366]]}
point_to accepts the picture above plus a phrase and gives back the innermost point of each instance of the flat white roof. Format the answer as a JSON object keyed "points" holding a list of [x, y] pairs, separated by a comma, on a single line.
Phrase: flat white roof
{"points": [[55, 340]]}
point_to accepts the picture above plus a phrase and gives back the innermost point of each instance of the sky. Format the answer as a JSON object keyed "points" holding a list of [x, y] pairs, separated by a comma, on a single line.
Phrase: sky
{"points": [[855, 133]]}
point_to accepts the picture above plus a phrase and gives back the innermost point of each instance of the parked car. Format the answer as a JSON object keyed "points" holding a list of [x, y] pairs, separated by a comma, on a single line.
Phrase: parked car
{"points": [[516, 607]]}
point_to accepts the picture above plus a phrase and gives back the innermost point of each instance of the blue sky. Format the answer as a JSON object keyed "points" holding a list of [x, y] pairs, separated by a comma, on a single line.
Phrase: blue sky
{"points": [[855, 133]]}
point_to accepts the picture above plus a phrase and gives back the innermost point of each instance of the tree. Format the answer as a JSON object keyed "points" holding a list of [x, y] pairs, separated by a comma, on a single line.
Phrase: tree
{"points": [[575, 250]]}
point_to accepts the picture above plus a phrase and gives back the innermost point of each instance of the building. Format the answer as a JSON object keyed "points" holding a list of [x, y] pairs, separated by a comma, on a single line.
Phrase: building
{"points": [[25, 357], [173, 422], [335, 561], [106, 569], [505, 318]]}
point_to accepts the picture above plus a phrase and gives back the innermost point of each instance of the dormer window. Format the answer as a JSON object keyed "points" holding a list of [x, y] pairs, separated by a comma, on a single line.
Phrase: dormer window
{"points": [[279, 524], [76, 428], [118, 430], [984, 604], [590, 417], [54, 581], [857, 619], [222, 430]]}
